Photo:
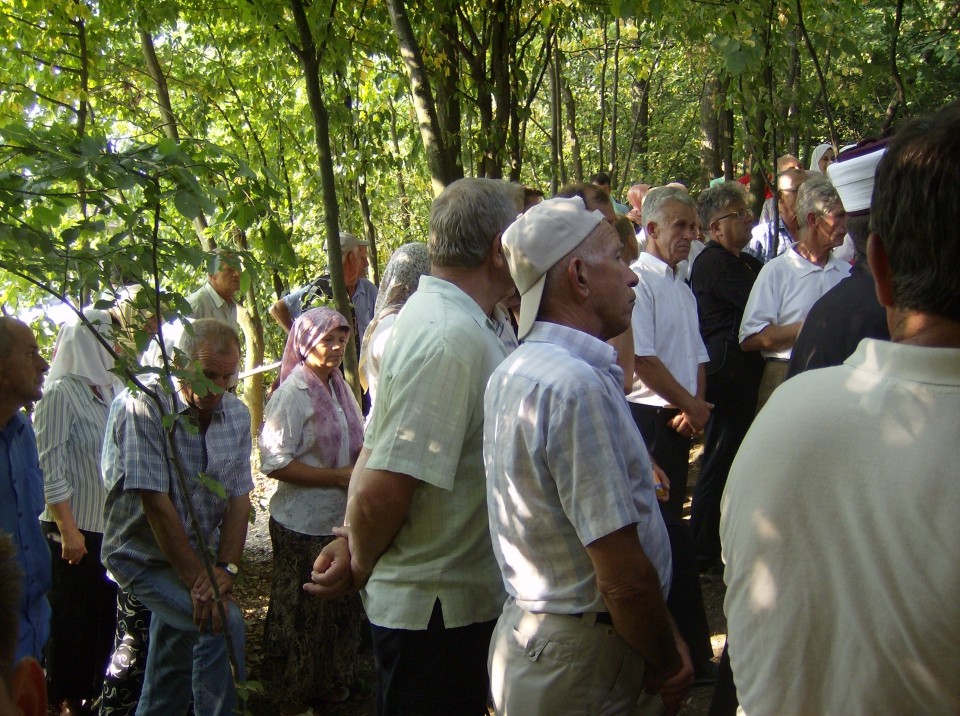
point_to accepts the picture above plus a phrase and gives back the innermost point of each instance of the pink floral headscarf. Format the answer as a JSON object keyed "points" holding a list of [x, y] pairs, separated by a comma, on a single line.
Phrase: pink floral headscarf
{"points": [[307, 331]]}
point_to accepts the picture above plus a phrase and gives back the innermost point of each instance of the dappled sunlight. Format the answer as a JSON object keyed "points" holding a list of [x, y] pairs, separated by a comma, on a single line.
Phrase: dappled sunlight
{"points": [[763, 588]]}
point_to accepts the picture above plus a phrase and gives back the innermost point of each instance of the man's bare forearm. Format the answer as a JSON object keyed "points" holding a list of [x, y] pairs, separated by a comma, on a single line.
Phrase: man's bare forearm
{"points": [[377, 505], [171, 535], [772, 338], [630, 588], [656, 376], [233, 529]]}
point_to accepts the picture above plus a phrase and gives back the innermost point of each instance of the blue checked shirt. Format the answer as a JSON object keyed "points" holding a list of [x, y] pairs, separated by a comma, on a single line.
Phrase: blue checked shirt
{"points": [[136, 457], [565, 466]]}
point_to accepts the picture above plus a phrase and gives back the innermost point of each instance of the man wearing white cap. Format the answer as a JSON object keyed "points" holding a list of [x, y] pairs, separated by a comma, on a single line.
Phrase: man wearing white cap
{"points": [[573, 513], [848, 312]]}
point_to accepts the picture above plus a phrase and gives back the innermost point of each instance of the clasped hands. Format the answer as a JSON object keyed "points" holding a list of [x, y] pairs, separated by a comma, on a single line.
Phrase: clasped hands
{"points": [[205, 601], [335, 572]]}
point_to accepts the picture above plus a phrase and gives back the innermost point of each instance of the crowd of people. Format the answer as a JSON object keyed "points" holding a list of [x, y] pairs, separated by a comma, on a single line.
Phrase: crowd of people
{"points": [[505, 506]]}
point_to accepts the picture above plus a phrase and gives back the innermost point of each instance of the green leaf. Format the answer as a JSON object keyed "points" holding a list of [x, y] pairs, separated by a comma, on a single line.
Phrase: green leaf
{"points": [[168, 147], [212, 484], [187, 204]]}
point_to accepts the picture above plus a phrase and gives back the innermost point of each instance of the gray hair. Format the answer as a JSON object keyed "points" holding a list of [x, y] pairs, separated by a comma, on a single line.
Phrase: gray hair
{"points": [[466, 217], [816, 195], [717, 198], [207, 333], [656, 200]]}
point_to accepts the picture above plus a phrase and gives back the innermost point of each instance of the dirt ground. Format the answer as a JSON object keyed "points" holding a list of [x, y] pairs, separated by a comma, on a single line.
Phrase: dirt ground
{"points": [[254, 588]]}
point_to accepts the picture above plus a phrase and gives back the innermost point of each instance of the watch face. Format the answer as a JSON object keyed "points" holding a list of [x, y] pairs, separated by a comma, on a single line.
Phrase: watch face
{"points": [[230, 568]]}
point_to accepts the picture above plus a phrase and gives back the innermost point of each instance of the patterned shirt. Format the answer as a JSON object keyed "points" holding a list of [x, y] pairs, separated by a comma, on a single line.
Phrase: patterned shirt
{"points": [[21, 500], [136, 456], [70, 423], [428, 423], [565, 466]]}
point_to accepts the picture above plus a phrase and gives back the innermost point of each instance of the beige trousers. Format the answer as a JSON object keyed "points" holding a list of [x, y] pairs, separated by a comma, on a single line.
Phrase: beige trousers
{"points": [[773, 374], [550, 664]]}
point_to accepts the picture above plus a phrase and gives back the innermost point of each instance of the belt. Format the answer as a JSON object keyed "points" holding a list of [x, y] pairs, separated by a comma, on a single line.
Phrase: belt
{"points": [[596, 617], [777, 360]]}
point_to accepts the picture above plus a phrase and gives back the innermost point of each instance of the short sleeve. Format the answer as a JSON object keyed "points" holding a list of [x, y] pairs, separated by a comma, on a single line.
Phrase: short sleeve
{"points": [[282, 437], [644, 329], [762, 305], [53, 424]]}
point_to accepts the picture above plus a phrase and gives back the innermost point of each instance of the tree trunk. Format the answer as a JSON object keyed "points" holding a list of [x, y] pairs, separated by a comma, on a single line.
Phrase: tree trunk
{"points": [[448, 95], [601, 134], [570, 116], [614, 114], [310, 63], [169, 120], [442, 168], [555, 161], [710, 132]]}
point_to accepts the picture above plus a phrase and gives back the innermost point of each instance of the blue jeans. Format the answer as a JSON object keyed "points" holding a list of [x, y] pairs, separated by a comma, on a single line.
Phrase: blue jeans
{"points": [[182, 660]]}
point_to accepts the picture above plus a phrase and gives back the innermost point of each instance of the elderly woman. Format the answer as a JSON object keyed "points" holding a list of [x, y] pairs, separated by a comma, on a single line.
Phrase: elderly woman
{"points": [[312, 434], [70, 422], [400, 280]]}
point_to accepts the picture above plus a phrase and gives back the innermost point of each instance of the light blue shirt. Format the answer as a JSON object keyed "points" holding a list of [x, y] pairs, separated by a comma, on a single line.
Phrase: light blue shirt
{"points": [[565, 466]]}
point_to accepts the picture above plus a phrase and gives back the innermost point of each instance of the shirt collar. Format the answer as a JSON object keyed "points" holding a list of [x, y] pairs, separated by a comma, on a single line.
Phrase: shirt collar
{"points": [[805, 267], [655, 264], [216, 297], [452, 292], [597, 353]]}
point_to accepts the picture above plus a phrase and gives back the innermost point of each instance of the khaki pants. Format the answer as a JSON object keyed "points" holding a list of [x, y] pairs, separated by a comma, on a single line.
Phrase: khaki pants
{"points": [[773, 374], [549, 664]]}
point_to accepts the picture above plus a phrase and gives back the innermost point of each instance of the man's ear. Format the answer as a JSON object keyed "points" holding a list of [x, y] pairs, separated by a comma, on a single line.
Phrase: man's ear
{"points": [[496, 252], [576, 275], [28, 689], [880, 267]]}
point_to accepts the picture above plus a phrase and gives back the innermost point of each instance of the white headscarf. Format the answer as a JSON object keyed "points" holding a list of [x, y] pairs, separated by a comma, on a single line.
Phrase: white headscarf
{"points": [[80, 353], [817, 154]]}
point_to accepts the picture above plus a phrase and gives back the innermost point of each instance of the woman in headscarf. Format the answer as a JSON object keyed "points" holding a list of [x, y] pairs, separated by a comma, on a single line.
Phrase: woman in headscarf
{"points": [[400, 280], [312, 435], [823, 156], [70, 422]]}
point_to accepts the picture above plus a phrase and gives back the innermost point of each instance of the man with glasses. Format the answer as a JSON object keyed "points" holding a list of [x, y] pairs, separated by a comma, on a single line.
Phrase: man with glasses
{"points": [[791, 283]]}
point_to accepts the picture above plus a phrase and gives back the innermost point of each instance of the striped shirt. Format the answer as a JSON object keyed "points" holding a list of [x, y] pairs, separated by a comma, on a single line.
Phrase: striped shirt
{"points": [[70, 423], [136, 456], [565, 466]]}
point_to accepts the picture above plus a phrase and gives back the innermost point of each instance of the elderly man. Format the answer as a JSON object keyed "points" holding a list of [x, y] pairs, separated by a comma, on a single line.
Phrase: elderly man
{"points": [[363, 294], [419, 544], [570, 488], [840, 543], [848, 312], [721, 281], [215, 299], [21, 483], [667, 400], [791, 283], [23, 691], [150, 544], [770, 239]]}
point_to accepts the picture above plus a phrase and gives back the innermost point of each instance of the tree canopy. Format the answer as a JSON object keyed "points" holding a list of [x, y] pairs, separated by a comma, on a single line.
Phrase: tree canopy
{"points": [[135, 138]]}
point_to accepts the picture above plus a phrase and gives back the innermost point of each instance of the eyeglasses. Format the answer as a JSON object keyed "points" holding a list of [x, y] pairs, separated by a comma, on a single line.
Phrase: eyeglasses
{"points": [[742, 214]]}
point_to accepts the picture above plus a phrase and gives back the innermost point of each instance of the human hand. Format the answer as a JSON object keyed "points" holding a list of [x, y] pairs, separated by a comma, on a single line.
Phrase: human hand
{"points": [[661, 483], [205, 599], [332, 575], [675, 687], [73, 545]]}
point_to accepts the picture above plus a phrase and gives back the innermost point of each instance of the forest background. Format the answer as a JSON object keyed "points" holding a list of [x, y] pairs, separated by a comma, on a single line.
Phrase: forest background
{"points": [[135, 138]]}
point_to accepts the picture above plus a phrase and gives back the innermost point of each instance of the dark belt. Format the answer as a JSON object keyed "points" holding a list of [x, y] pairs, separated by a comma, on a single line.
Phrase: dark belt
{"points": [[777, 360], [602, 617]]}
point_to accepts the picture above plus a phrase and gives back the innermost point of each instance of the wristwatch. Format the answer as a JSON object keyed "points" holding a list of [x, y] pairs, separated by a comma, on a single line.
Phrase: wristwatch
{"points": [[230, 568]]}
